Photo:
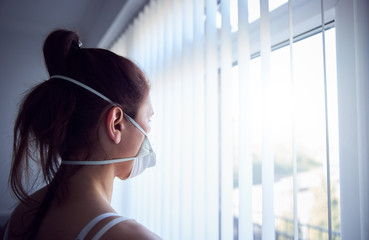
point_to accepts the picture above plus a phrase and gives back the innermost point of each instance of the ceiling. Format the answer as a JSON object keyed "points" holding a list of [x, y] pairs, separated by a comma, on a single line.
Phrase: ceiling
{"points": [[94, 20], [24, 25]]}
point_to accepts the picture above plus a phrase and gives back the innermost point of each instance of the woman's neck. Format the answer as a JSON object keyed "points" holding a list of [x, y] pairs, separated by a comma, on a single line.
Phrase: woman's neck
{"points": [[93, 181]]}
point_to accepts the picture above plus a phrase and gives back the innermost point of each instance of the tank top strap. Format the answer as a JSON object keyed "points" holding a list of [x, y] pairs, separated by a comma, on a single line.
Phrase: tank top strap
{"points": [[109, 225], [83, 233]]}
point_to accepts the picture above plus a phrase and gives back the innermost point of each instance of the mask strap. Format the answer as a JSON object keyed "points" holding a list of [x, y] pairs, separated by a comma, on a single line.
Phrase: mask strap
{"points": [[104, 162], [100, 95], [136, 124], [84, 86]]}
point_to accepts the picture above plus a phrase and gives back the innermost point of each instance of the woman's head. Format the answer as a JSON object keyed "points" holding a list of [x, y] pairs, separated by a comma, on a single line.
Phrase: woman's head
{"points": [[58, 118]]}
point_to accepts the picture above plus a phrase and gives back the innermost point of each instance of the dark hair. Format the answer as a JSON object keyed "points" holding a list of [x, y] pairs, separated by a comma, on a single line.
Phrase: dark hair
{"points": [[57, 118]]}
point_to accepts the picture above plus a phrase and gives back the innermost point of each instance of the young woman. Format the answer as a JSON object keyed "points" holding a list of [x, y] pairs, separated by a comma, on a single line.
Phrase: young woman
{"points": [[81, 128]]}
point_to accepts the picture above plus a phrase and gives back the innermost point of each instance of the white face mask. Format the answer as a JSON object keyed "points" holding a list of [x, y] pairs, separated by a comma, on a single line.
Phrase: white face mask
{"points": [[145, 158]]}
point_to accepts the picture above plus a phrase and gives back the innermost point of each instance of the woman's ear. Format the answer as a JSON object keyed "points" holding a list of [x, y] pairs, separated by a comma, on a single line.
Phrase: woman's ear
{"points": [[114, 124]]}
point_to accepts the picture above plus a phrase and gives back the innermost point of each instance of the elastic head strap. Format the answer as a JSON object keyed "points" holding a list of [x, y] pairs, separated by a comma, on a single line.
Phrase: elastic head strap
{"points": [[135, 124], [84, 86], [100, 95]]}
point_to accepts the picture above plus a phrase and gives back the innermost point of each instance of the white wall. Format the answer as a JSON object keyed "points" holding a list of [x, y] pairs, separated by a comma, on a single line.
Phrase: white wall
{"points": [[21, 65]]}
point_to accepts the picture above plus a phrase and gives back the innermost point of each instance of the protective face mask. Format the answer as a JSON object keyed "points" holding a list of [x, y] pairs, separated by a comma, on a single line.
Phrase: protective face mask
{"points": [[145, 158]]}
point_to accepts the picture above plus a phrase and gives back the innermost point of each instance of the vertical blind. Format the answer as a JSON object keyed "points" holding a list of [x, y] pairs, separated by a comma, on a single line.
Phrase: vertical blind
{"points": [[199, 61]]}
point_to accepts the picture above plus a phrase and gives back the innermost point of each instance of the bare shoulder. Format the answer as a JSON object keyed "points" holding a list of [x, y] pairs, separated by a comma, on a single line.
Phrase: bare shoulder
{"points": [[130, 229], [22, 215]]}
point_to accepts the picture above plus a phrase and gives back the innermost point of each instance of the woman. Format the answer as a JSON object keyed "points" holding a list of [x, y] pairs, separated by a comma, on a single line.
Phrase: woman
{"points": [[83, 127]]}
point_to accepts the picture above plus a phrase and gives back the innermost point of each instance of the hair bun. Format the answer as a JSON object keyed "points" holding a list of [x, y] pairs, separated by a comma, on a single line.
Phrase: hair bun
{"points": [[56, 50]]}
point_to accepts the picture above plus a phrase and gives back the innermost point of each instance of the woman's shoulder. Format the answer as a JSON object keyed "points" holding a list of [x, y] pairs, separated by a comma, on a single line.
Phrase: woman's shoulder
{"points": [[74, 217], [21, 216], [130, 229]]}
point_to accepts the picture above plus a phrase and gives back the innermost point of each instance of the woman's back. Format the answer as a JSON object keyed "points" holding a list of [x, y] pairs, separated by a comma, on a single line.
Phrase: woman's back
{"points": [[67, 220]]}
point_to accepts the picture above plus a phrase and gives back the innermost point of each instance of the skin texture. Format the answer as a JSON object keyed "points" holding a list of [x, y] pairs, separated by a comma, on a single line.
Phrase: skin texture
{"points": [[90, 188]]}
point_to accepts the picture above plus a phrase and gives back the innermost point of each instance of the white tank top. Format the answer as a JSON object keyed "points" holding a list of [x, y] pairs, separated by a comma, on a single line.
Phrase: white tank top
{"points": [[83, 233]]}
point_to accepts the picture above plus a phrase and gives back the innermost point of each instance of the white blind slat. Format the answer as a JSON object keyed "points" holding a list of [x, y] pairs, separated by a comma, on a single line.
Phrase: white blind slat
{"points": [[211, 124], [293, 134], [159, 115], [199, 122], [361, 10], [167, 121], [328, 175], [175, 79], [267, 142], [187, 122], [245, 174], [226, 139]]}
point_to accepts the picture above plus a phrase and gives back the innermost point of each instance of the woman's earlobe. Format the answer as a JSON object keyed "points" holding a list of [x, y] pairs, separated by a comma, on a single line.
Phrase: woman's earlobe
{"points": [[114, 123]]}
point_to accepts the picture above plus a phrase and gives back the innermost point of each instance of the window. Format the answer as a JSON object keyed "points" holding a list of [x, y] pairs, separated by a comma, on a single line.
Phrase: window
{"points": [[238, 157], [309, 130]]}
